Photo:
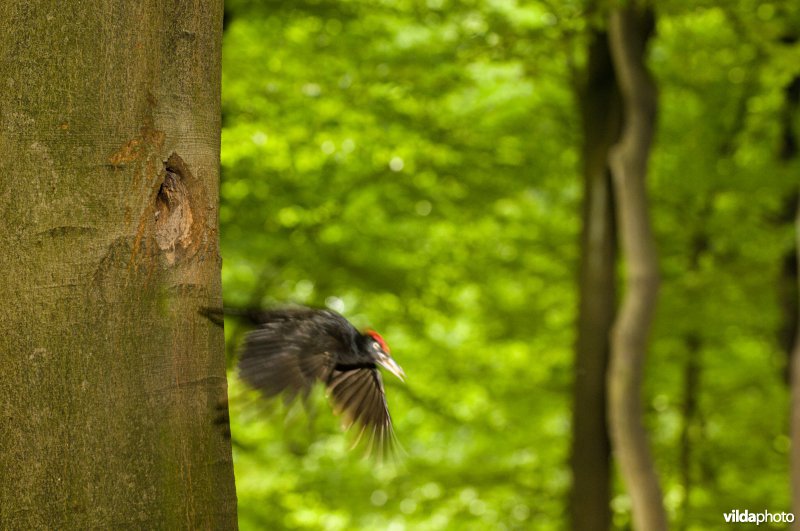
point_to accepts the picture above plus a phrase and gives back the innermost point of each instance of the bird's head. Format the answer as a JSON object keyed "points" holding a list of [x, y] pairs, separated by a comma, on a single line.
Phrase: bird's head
{"points": [[379, 350]]}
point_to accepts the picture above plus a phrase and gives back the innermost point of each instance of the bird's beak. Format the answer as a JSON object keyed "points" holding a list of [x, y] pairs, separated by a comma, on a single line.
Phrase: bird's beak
{"points": [[390, 365]]}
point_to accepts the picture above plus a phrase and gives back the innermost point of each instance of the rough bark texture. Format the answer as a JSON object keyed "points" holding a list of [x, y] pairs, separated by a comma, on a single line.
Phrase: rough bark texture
{"points": [[590, 456], [629, 30], [109, 378]]}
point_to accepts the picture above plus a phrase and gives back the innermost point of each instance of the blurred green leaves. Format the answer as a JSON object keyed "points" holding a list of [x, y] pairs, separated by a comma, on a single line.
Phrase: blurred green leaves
{"points": [[415, 165]]}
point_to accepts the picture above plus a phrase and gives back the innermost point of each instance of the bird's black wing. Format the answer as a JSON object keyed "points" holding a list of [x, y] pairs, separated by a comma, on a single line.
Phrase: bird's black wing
{"points": [[290, 351], [358, 395]]}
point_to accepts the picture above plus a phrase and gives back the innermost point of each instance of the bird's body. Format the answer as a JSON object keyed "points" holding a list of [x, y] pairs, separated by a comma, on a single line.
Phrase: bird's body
{"points": [[292, 349]]}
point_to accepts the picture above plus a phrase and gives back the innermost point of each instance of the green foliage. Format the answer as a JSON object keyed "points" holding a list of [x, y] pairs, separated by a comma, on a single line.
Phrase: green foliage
{"points": [[415, 165]]}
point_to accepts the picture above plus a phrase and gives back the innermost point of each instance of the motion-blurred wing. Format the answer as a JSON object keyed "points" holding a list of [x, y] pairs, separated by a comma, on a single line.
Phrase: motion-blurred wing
{"points": [[286, 356], [358, 395]]}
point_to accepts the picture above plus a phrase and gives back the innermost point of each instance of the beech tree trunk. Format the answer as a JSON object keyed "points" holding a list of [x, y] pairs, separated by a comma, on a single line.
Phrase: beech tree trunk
{"points": [[109, 162], [590, 456], [629, 31]]}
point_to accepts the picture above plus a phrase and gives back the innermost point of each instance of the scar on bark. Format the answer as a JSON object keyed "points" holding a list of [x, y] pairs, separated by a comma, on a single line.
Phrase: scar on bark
{"points": [[177, 212]]}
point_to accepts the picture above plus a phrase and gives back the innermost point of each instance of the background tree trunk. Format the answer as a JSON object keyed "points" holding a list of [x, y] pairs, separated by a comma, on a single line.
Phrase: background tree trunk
{"points": [[109, 164], [629, 30], [601, 116], [794, 420], [789, 287]]}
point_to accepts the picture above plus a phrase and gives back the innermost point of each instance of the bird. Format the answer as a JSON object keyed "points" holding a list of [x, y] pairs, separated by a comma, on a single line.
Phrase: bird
{"points": [[290, 350]]}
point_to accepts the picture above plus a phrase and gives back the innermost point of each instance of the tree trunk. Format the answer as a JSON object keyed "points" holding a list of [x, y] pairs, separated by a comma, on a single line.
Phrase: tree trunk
{"points": [[602, 116], [789, 289], [794, 378], [109, 163], [629, 31], [691, 392], [692, 373]]}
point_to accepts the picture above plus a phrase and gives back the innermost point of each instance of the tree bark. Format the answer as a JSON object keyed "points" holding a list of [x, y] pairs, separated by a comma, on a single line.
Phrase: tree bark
{"points": [[629, 31], [109, 164], [601, 115]]}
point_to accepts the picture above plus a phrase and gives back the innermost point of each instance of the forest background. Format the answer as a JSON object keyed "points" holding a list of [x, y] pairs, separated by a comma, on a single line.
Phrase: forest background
{"points": [[423, 168]]}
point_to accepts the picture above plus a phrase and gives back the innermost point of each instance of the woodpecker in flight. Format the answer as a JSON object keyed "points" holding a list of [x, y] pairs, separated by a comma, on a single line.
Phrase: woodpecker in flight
{"points": [[292, 349]]}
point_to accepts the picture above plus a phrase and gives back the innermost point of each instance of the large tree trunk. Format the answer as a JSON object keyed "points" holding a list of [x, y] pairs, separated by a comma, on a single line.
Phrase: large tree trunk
{"points": [[601, 116], [629, 31], [109, 378]]}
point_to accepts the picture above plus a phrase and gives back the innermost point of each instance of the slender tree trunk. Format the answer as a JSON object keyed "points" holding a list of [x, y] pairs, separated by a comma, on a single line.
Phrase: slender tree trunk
{"points": [[788, 278], [692, 372], [629, 31], [794, 381], [109, 163], [789, 335], [794, 377], [590, 457], [691, 392]]}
